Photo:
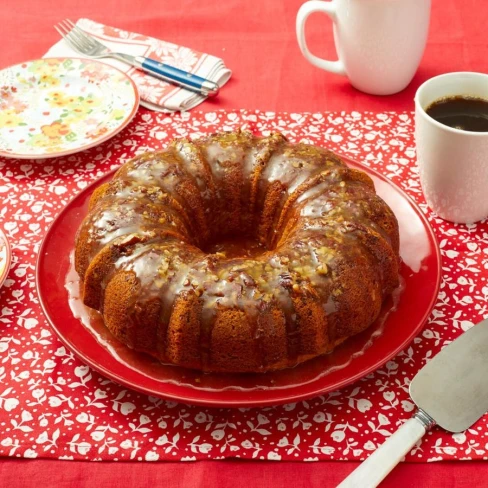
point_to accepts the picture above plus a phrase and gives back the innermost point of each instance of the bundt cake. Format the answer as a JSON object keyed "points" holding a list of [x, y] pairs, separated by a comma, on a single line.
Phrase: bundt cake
{"points": [[237, 253]]}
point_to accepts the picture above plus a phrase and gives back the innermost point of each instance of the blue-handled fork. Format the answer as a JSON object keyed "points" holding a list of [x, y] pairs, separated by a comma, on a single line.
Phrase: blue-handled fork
{"points": [[84, 44]]}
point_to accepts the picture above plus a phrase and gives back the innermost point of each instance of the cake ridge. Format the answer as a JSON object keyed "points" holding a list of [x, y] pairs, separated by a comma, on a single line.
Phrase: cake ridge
{"points": [[195, 155]]}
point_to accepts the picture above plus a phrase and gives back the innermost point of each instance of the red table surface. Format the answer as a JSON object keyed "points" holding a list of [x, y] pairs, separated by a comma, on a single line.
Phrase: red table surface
{"points": [[257, 41]]}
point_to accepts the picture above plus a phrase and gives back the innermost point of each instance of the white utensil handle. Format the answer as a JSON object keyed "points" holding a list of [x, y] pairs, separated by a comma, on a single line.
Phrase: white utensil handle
{"points": [[372, 471]]}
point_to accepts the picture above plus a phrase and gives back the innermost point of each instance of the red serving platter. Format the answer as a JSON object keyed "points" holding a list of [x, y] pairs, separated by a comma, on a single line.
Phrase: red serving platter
{"points": [[358, 356]]}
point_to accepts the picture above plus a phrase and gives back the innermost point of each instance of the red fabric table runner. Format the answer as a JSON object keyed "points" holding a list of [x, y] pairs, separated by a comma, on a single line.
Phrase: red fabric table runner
{"points": [[53, 406]]}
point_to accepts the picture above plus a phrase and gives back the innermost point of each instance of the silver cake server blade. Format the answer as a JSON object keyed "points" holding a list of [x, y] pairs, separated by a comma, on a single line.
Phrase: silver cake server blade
{"points": [[451, 390]]}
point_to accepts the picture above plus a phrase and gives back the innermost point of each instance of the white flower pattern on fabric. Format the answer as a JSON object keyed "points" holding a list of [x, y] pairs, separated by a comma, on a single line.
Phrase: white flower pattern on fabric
{"points": [[52, 405]]}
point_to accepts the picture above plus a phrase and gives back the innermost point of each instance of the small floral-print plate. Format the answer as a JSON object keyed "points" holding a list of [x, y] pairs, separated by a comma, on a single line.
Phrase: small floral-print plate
{"points": [[57, 106], [5, 257]]}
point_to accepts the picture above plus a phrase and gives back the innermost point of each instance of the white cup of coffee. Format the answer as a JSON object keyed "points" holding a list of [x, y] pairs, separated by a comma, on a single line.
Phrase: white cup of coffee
{"points": [[379, 43], [453, 160]]}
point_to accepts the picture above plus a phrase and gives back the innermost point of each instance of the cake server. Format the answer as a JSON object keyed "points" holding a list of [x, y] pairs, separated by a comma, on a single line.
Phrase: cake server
{"points": [[87, 45], [450, 391]]}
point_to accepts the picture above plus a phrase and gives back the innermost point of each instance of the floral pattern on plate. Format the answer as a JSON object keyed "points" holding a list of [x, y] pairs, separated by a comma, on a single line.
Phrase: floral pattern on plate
{"points": [[58, 106]]}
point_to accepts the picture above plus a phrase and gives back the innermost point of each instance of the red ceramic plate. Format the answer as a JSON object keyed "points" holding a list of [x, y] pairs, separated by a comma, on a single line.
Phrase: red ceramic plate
{"points": [[5, 257], [398, 325]]}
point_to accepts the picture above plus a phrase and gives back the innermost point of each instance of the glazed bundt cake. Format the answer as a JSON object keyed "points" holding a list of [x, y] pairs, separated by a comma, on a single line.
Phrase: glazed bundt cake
{"points": [[236, 253]]}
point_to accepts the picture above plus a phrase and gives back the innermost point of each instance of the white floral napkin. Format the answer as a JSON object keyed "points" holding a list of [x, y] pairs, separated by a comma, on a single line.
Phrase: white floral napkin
{"points": [[155, 94]]}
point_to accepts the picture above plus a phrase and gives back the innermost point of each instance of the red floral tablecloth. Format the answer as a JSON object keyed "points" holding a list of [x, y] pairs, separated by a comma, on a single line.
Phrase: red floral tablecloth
{"points": [[52, 405]]}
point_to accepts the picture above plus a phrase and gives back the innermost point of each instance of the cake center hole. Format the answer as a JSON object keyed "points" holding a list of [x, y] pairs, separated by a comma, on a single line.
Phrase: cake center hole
{"points": [[237, 247]]}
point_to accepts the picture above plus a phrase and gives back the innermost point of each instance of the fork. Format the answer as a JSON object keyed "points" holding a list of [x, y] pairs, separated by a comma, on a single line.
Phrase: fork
{"points": [[85, 44]]}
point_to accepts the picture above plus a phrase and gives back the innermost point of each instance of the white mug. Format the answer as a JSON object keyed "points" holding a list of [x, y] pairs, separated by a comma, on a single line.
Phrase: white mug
{"points": [[453, 163], [379, 43]]}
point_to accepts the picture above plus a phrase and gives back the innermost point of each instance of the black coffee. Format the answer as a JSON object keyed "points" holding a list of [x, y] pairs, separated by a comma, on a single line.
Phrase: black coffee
{"points": [[461, 112]]}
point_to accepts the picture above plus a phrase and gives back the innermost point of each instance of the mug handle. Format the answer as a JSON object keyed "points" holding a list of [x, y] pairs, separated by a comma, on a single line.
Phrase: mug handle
{"points": [[305, 10]]}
